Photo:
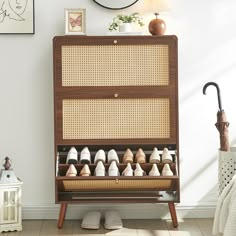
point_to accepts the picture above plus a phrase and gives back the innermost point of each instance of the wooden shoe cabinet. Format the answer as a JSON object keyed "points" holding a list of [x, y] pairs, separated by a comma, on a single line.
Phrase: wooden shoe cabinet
{"points": [[115, 92]]}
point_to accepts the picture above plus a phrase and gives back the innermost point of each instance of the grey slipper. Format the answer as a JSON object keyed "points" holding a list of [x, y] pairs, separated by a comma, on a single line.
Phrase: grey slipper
{"points": [[113, 220], [91, 220]]}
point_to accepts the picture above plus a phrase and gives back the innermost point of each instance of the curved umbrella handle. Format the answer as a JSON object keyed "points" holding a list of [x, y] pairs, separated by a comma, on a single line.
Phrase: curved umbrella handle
{"points": [[218, 92]]}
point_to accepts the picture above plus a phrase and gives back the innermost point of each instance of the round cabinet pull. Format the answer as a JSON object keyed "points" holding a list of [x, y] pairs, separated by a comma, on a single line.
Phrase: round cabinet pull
{"points": [[115, 41], [116, 95]]}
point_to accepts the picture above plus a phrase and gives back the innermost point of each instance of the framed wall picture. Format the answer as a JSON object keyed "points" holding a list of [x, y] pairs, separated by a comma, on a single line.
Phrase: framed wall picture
{"points": [[17, 17], [75, 21]]}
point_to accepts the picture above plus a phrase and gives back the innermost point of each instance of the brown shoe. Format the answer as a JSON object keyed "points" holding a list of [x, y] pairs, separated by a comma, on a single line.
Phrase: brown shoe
{"points": [[140, 156], [85, 171], [128, 156]]}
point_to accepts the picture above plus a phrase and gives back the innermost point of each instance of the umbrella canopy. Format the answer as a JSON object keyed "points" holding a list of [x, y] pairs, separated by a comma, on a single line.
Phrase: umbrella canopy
{"points": [[222, 124]]}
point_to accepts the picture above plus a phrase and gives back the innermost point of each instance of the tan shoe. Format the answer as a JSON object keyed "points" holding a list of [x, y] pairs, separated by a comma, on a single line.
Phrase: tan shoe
{"points": [[155, 157], [166, 171], [71, 171], [166, 157], [85, 171], [112, 156], [139, 171], [128, 156], [140, 156], [154, 171], [128, 171]]}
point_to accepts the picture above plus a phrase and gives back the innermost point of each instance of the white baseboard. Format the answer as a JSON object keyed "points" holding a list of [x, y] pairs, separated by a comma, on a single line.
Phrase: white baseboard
{"points": [[131, 211]]}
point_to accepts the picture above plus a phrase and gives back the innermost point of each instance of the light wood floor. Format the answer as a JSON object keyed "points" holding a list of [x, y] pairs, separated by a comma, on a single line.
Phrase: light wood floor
{"points": [[187, 227]]}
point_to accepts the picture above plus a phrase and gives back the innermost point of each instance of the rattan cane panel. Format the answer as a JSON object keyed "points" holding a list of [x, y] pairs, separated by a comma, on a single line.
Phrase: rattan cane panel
{"points": [[116, 184], [116, 118], [115, 65]]}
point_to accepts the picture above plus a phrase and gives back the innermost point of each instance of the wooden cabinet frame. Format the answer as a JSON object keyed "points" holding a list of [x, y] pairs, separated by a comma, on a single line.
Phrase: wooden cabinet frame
{"points": [[138, 75]]}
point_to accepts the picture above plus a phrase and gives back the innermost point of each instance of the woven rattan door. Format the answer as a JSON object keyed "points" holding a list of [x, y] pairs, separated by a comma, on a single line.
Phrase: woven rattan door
{"points": [[115, 92]]}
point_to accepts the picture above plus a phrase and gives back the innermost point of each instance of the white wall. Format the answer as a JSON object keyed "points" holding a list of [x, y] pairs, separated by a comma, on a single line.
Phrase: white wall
{"points": [[207, 46]]}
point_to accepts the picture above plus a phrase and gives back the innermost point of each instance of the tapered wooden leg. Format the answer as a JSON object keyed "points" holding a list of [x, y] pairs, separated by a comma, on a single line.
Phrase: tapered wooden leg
{"points": [[173, 214], [62, 215]]}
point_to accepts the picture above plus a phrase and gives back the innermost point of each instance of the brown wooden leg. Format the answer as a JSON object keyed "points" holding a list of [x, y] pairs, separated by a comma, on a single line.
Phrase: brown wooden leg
{"points": [[173, 214], [62, 215]]}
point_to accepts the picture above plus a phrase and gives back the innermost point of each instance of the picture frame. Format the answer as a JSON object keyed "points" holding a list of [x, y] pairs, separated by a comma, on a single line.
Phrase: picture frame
{"points": [[17, 17], [75, 21]]}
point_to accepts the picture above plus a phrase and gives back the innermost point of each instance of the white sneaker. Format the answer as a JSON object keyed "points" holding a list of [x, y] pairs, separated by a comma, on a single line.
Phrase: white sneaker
{"points": [[71, 171], [100, 156], [155, 157], [139, 171], [100, 169], [85, 171], [128, 171], [166, 157], [85, 157], [154, 171], [112, 156], [113, 169], [166, 171], [72, 156]]}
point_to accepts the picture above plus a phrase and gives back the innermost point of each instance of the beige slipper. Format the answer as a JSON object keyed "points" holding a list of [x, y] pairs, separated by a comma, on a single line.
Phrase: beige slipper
{"points": [[140, 156], [100, 169], [113, 169], [100, 156], [112, 156], [139, 171], [71, 171], [85, 171], [166, 171], [91, 220], [128, 171], [128, 156], [166, 157], [112, 220], [155, 157], [154, 171]]}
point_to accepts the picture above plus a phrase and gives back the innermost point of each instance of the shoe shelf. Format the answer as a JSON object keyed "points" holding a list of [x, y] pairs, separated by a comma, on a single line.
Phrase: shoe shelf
{"points": [[115, 93]]}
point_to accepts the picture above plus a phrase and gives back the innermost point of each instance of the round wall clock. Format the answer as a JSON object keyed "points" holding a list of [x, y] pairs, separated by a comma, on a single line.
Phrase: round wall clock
{"points": [[115, 5]]}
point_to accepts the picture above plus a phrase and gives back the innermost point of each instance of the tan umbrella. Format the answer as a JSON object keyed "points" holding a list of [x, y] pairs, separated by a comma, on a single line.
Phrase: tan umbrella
{"points": [[222, 124]]}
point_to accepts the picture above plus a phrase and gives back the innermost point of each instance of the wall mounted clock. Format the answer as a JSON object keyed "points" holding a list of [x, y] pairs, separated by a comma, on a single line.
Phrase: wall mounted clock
{"points": [[115, 5]]}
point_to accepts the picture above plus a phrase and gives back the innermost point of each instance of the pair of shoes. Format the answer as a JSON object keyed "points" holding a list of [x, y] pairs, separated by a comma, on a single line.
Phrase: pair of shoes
{"points": [[72, 156], [165, 158], [91, 220], [140, 156], [112, 170], [101, 156]]}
